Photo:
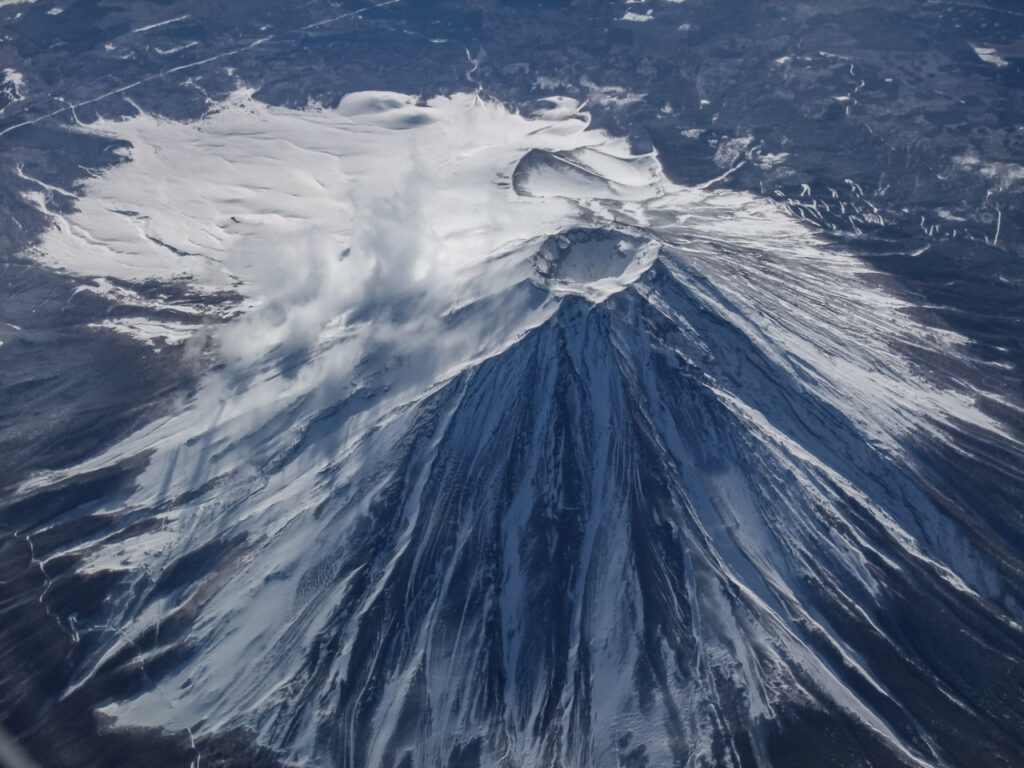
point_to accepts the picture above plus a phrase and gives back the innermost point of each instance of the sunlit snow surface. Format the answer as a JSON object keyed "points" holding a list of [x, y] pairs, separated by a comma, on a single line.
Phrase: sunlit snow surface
{"points": [[500, 412]]}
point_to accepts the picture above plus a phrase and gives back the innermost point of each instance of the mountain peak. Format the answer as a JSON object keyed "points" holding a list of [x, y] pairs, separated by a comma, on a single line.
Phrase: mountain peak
{"points": [[527, 453], [594, 263]]}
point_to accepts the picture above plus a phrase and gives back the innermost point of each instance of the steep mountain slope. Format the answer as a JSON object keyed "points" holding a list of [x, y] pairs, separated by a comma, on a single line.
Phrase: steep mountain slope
{"points": [[526, 456]]}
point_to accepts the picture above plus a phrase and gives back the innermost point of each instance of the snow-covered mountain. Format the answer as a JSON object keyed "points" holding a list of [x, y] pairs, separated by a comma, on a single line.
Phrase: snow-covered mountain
{"points": [[512, 452]]}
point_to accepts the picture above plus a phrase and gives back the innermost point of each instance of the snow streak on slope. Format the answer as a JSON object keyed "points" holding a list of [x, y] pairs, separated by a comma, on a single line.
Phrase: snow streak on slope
{"points": [[519, 452]]}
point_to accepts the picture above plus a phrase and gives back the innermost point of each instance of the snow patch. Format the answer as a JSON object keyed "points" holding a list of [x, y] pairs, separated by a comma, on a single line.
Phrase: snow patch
{"points": [[770, 159], [989, 55], [175, 49], [610, 95], [729, 151], [1005, 175], [149, 331], [164, 23], [12, 86]]}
